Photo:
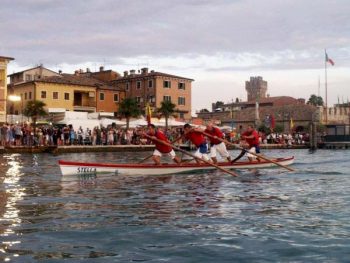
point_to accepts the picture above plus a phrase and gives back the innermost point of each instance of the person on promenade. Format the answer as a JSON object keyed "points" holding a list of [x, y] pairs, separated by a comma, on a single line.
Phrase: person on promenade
{"points": [[196, 137], [161, 148], [251, 137], [215, 144]]}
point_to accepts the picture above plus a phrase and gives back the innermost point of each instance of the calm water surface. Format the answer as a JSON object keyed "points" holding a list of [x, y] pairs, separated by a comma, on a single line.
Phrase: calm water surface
{"points": [[302, 216]]}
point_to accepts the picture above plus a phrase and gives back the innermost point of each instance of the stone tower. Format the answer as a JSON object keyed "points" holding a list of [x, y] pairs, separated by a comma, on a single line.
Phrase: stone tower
{"points": [[256, 88]]}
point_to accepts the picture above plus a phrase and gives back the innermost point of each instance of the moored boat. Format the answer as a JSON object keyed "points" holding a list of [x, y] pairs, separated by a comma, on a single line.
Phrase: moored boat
{"points": [[71, 168]]}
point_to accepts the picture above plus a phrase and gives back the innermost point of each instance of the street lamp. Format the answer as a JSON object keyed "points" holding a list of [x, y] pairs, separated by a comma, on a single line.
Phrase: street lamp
{"points": [[13, 99]]}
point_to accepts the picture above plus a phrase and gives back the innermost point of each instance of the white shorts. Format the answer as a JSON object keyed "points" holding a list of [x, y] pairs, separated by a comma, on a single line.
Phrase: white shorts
{"points": [[203, 156], [251, 150], [221, 149], [170, 154]]}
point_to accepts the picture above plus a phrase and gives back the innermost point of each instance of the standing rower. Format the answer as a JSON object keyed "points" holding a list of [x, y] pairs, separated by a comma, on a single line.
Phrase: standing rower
{"points": [[215, 143], [161, 148], [197, 138], [251, 136]]}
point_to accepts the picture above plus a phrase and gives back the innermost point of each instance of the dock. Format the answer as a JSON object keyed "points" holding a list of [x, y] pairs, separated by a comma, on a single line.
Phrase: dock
{"points": [[115, 148]]}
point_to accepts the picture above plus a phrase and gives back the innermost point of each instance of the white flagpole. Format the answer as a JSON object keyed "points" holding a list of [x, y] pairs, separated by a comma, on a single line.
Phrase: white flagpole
{"points": [[325, 83]]}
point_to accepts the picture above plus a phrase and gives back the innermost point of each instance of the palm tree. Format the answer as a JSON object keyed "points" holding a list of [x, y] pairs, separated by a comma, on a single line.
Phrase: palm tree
{"points": [[128, 108], [34, 109], [167, 109]]}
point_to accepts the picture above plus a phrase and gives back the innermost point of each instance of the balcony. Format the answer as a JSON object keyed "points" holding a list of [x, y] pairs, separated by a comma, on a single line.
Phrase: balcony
{"points": [[84, 101]]}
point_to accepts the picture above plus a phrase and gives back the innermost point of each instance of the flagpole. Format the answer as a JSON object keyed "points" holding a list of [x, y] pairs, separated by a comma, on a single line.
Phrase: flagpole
{"points": [[325, 75]]}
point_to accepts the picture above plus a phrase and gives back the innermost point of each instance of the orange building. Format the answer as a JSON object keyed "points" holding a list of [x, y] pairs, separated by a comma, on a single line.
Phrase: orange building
{"points": [[154, 87]]}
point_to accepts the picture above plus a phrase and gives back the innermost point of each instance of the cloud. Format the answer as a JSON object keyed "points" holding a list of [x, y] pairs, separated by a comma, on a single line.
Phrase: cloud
{"points": [[193, 38], [93, 30]]}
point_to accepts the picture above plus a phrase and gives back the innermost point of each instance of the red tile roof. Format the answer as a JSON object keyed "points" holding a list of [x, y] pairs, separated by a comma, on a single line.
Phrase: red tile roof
{"points": [[150, 74]]}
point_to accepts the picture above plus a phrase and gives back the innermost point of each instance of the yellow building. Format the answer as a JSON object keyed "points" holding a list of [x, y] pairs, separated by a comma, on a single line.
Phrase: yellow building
{"points": [[66, 92], [3, 86]]}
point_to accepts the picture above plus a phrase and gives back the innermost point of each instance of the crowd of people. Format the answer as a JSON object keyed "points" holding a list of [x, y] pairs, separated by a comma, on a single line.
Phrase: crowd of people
{"points": [[48, 135]]}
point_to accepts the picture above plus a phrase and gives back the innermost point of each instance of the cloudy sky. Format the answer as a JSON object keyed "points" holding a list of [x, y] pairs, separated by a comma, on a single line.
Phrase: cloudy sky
{"points": [[219, 43]]}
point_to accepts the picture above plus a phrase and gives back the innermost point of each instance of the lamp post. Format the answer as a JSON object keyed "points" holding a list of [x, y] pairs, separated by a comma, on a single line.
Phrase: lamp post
{"points": [[13, 99]]}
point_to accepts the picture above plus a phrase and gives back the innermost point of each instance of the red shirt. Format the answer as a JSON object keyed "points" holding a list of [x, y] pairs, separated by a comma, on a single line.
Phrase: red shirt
{"points": [[214, 132], [159, 146], [253, 141], [195, 137]]}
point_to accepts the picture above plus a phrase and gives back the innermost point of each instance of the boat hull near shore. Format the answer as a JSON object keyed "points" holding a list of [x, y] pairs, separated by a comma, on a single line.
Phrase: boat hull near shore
{"points": [[72, 168]]}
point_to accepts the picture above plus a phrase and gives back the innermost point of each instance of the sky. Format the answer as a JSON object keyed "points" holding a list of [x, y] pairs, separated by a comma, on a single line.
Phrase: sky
{"points": [[218, 43]]}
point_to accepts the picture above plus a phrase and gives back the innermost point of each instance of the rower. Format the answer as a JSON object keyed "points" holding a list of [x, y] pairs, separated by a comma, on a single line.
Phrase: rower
{"points": [[215, 144], [196, 137], [161, 148], [251, 136]]}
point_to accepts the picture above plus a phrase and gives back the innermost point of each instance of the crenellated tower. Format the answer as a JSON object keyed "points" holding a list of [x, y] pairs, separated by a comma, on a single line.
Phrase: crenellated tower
{"points": [[256, 88]]}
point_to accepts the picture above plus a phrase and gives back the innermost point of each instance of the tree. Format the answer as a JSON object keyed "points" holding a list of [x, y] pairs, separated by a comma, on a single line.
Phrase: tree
{"points": [[34, 109], [128, 108], [264, 129], [315, 100], [218, 104], [203, 111], [167, 109], [278, 128]]}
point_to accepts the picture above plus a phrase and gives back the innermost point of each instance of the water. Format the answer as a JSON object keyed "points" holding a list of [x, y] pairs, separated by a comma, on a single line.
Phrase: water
{"points": [[277, 216]]}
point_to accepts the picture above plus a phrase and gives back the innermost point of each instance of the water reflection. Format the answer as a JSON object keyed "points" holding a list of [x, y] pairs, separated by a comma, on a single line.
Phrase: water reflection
{"points": [[11, 193], [174, 218]]}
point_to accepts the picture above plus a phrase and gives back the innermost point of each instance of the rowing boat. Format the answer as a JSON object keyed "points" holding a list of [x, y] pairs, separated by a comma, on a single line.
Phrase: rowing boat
{"points": [[71, 168]]}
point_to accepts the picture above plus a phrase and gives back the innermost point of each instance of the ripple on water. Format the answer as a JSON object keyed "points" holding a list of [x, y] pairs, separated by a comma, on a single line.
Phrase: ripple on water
{"points": [[272, 215]]}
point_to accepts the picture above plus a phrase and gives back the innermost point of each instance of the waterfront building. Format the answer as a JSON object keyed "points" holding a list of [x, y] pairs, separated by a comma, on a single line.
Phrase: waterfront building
{"points": [[284, 109], [3, 87], [154, 87], [31, 74], [68, 92]]}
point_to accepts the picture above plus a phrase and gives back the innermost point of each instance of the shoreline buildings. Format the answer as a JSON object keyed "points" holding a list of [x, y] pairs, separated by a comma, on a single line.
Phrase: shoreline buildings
{"points": [[100, 92], [261, 108]]}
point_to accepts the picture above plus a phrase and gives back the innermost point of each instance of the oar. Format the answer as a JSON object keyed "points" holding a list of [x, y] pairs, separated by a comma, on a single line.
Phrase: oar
{"points": [[192, 155], [145, 159], [257, 155]]}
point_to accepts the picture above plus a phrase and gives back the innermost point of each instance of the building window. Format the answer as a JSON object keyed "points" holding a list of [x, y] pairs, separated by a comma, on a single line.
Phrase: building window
{"points": [[28, 77], [66, 96], [25, 96], [181, 85], [167, 84], [127, 86], [182, 115], [138, 99], [150, 84], [151, 98], [166, 98], [30, 95], [43, 94], [138, 84], [181, 100], [55, 95], [102, 96], [116, 97]]}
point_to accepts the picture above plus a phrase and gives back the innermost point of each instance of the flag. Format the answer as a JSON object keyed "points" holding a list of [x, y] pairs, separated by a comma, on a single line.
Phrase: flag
{"points": [[291, 123], [272, 121], [329, 60], [148, 114]]}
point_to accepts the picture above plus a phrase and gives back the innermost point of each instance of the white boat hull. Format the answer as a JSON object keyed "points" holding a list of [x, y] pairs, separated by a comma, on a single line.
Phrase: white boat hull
{"points": [[71, 168]]}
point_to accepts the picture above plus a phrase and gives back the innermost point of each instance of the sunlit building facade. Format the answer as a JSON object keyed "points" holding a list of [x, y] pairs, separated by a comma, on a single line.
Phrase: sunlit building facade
{"points": [[3, 86]]}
